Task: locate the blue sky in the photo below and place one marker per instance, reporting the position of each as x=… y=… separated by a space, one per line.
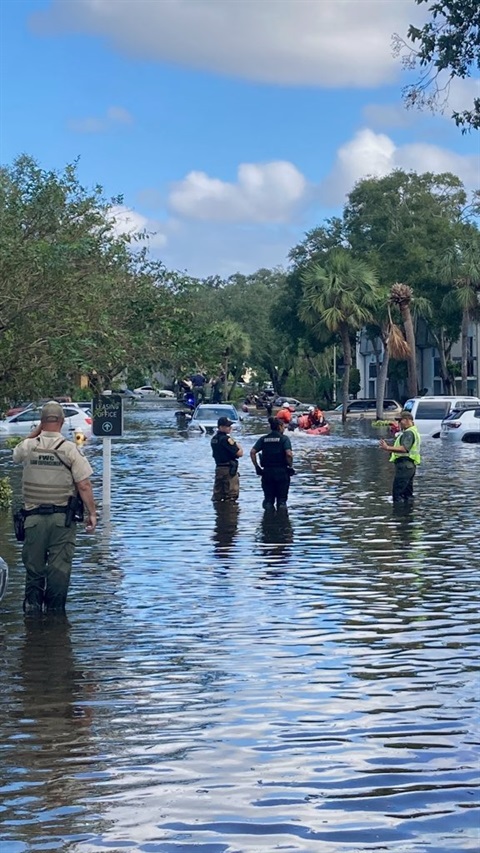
x=229 y=128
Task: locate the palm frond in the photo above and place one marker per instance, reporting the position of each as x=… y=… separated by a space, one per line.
x=397 y=345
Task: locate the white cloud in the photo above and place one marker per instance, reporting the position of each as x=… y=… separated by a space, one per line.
x=113 y=117
x=223 y=249
x=294 y=42
x=268 y=192
x=119 y=115
x=461 y=94
x=388 y=115
x=130 y=222
x=422 y=157
x=375 y=154
x=455 y=95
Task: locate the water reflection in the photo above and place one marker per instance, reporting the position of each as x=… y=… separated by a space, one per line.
x=50 y=726
x=226 y=526
x=276 y=529
x=249 y=681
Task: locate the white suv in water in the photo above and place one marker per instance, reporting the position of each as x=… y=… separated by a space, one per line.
x=462 y=425
x=429 y=412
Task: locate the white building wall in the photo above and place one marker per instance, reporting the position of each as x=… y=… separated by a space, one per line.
x=428 y=376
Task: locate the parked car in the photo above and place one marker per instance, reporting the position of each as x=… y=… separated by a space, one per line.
x=206 y=415
x=128 y=394
x=146 y=391
x=20 y=408
x=292 y=401
x=368 y=408
x=429 y=412
x=462 y=425
x=23 y=423
x=30 y=405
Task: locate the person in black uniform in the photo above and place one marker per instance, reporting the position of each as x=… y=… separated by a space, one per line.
x=276 y=469
x=198 y=386
x=226 y=452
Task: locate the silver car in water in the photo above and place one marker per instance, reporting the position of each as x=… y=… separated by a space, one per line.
x=206 y=415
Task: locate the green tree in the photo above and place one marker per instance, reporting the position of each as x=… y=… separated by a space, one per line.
x=74 y=297
x=250 y=301
x=446 y=46
x=401 y=224
x=340 y=296
x=232 y=345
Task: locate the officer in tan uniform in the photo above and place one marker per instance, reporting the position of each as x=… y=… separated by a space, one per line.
x=226 y=453
x=54 y=472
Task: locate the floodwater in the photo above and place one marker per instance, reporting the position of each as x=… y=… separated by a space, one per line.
x=233 y=683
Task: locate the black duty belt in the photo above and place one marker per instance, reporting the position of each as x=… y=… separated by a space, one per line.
x=44 y=509
x=223 y=464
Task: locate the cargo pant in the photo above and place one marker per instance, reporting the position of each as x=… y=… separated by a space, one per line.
x=225 y=487
x=47 y=555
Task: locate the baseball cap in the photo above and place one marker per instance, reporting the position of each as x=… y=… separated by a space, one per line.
x=285 y=405
x=224 y=422
x=404 y=414
x=52 y=411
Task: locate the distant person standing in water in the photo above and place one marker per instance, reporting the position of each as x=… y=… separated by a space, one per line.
x=275 y=452
x=226 y=453
x=198 y=380
x=55 y=473
x=405 y=455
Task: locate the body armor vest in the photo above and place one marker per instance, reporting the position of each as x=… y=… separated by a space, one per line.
x=46 y=479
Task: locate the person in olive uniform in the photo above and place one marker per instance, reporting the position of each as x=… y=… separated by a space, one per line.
x=226 y=452
x=276 y=468
x=405 y=455
x=54 y=471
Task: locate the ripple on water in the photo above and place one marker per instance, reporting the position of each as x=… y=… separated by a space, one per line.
x=233 y=682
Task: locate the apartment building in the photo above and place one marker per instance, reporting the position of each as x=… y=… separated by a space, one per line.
x=369 y=356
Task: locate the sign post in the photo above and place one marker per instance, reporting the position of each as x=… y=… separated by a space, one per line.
x=107 y=415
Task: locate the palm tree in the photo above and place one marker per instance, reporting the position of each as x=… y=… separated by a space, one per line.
x=394 y=346
x=401 y=295
x=339 y=295
x=460 y=267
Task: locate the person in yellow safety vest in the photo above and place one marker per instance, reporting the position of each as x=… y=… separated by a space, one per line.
x=405 y=454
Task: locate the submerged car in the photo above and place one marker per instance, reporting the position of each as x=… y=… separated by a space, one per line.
x=292 y=402
x=127 y=394
x=368 y=408
x=16 y=409
x=429 y=412
x=24 y=422
x=206 y=415
x=462 y=425
x=145 y=391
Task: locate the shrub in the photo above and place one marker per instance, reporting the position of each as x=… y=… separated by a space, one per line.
x=5 y=493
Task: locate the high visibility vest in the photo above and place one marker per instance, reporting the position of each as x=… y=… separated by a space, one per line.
x=414 y=452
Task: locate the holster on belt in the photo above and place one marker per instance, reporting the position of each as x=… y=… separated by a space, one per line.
x=75 y=510
x=19 y=524
x=233 y=467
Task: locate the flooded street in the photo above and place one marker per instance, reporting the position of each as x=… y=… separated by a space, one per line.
x=230 y=682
